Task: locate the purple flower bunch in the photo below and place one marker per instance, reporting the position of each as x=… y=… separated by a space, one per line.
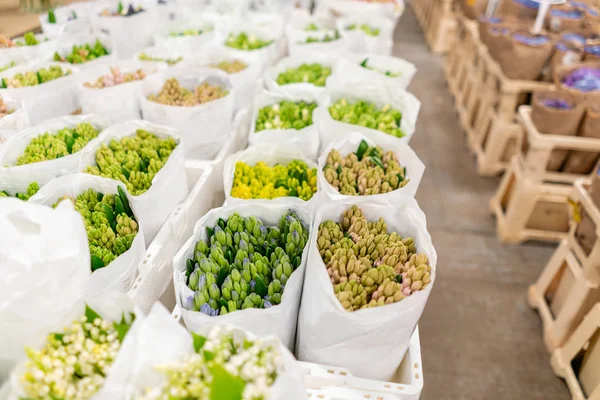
x=558 y=104
x=585 y=79
x=531 y=40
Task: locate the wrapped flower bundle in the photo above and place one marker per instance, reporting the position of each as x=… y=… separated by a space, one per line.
x=169 y=61
x=584 y=79
x=368 y=30
x=391 y=74
x=265 y=182
x=116 y=77
x=29 y=39
x=32 y=189
x=173 y=94
x=109 y=222
x=231 y=67
x=285 y=115
x=83 y=53
x=369 y=267
x=122 y=11
x=33 y=78
x=243 y=41
x=50 y=146
x=244 y=264
x=133 y=160
x=367 y=114
x=316 y=74
x=244 y=368
x=190 y=32
x=367 y=171
x=330 y=37
x=73 y=364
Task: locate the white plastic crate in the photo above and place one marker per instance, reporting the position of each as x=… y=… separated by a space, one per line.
x=333 y=383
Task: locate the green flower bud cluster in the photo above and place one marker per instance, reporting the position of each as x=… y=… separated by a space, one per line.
x=109 y=222
x=335 y=35
x=285 y=115
x=244 y=263
x=169 y=61
x=364 y=64
x=7 y=66
x=316 y=74
x=243 y=41
x=50 y=146
x=33 y=78
x=190 y=32
x=73 y=363
x=231 y=67
x=367 y=114
x=367 y=266
x=29 y=39
x=173 y=94
x=370 y=31
x=32 y=189
x=223 y=366
x=83 y=53
x=134 y=160
x=365 y=172
x=311 y=27
x=262 y=181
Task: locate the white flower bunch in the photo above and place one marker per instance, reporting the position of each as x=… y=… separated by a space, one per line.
x=73 y=364
x=245 y=367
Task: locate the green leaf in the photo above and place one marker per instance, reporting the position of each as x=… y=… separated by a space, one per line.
x=125 y=172
x=110 y=216
x=73 y=14
x=119 y=209
x=125 y=201
x=190 y=268
x=120 y=8
x=99 y=196
x=400 y=178
x=364 y=63
x=69 y=141
x=198 y=342
x=209 y=232
x=377 y=161
x=362 y=147
x=222 y=303
x=260 y=288
x=91 y=315
x=222 y=223
x=223 y=272
x=209 y=355
x=59 y=336
x=51 y=17
x=225 y=386
x=123 y=327
x=97 y=262
x=4 y=85
x=39 y=77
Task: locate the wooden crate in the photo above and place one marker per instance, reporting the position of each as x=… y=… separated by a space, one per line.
x=583 y=345
x=590 y=262
x=486 y=100
x=562 y=296
x=438 y=22
x=529 y=210
x=540 y=147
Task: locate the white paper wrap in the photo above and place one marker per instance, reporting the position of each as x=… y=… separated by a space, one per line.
x=195 y=43
x=45 y=267
x=117 y=103
x=205 y=127
x=391 y=10
x=65 y=24
x=296 y=42
x=246 y=82
x=64 y=46
x=162 y=340
x=349 y=68
x=294 y=89
x=271 y=154
x=328 y=334
x=280 y=320
x=380 y=44
x=230 y=6
x=41 y=51
x=375 y=92
x=169 y=186
x=11 y=60
x=13 y=123
x=130 y=34
x=118 y=276
x=44 y=171
x=48 y=100
x=306 y=139
x=406 y=157
x=111 y=307
x=265 y=55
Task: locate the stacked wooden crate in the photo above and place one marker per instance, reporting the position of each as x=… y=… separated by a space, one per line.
x=438 y=22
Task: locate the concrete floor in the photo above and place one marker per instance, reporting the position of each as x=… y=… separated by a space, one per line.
x=480 y=340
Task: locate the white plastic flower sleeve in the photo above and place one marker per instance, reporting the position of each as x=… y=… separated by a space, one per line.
x=376 y=65
x=14 y=122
